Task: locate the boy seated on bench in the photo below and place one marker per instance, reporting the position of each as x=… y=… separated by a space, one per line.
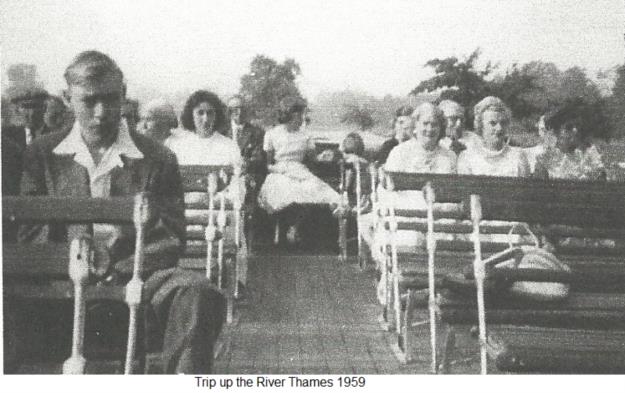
x=100 y=157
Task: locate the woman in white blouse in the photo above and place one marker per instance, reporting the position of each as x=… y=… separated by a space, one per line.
x=493 y=157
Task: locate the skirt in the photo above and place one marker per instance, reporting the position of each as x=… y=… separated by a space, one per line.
x=294 y=184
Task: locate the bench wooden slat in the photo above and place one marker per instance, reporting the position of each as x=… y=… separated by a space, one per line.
x=458 y=214
x=555 y=211
x=200 y=217
x=56 y=289
x=527 y=349
x=117 y=210
x=48 y=259
x=199 y=251
x=455 y=188
x=195 y=177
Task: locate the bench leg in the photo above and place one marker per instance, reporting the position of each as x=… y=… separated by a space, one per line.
x=406 y=329
x=276 y=232
x=449 y=344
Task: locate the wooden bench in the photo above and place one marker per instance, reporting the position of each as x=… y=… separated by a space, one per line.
x=214 y=229
x=58 y=271
x=594 y=313
x=411 y=277
x=587 y=206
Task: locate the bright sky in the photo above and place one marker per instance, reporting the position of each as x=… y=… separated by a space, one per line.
x=378 y=47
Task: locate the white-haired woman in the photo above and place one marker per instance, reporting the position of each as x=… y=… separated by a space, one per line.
x=420 y=154
x=493 y=157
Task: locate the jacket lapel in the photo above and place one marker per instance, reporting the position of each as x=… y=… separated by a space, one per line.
x=129 y=179
x=72 y=179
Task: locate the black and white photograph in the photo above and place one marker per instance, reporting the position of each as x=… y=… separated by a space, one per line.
x=313 y=194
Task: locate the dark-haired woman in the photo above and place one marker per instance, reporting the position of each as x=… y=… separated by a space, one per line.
x=288 y=148
x=571 y=157
x=203 y=117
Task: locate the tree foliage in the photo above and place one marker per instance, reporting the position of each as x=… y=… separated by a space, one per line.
x=361 y=116
x=616 y=104
x=530 y=90
x=266 y=84
x=460 y=81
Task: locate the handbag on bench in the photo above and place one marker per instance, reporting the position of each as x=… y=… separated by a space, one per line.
x=532 y=257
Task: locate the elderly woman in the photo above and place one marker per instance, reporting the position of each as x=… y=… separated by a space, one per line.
x=493 y=157
x=421 y=154
x=456 y=137
x=158 y=121
x=569 y=158
x=402 y=128
x=289 y=181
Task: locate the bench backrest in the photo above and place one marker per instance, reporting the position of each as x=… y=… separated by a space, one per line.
x=197 y=203
x=49 y=259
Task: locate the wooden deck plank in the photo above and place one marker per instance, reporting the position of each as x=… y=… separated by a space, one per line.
x=315 y=315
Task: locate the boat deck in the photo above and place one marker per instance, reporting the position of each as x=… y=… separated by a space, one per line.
x=311 y=314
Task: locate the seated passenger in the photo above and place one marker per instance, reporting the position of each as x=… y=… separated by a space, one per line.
x=353 y=149
x=570 y=159
x=57 y=116
x=456 y=137
x=289 y=180
x=402 y=131
x=421 y=154
x=249 y=138
x=493 y=157
x=546 y=141
x=158 y=121
x=101 y=158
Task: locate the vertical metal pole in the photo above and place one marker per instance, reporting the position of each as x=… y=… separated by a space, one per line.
x=479 y=273
x=134 y=287
x=79 y=254
x=210 y=234
x=428 y=192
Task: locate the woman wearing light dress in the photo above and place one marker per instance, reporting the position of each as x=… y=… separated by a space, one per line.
x=569 y=158
x=289 y=181
x=493 y=157
x=420 y=154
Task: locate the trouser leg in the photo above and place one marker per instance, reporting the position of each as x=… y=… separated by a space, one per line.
x=192 y=313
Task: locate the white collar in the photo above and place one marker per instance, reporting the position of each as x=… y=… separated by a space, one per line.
x=74 y=144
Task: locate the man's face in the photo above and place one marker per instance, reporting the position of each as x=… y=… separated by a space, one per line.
x=97 y=107
x=427 y=129
x=32 y=113
x=155 y=124
x=235 y=106
x=454 y=121
x=403 y=128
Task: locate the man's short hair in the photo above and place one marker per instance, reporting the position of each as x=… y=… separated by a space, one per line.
x=450 y=106
x=89 y=66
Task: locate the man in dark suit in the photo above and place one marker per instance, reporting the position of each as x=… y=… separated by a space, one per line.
x=100 y=157
x=30 y=103
x=250 y=140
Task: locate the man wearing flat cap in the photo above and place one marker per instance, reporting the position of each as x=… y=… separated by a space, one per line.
x=250 y=140
x=30 y=102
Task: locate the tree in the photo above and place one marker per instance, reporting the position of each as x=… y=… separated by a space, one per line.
x=266 y=84
x=362 y=116
x=460 y=80
x=616 y=104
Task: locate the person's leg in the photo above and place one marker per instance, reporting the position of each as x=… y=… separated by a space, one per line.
x=191 y=313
